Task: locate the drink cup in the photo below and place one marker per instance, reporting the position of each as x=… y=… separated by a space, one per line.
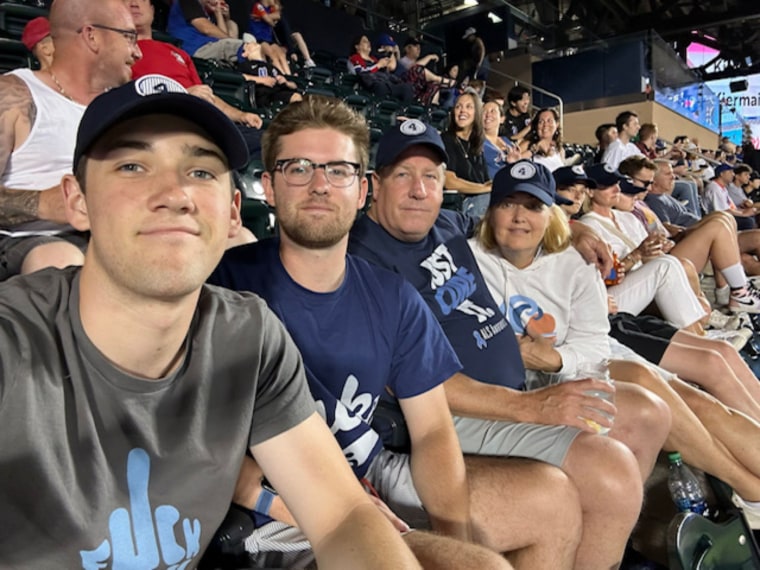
x=597 y=371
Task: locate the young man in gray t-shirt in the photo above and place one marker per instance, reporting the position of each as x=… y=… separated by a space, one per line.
x=130 y=392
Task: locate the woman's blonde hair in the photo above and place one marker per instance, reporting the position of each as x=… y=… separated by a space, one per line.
x=557 y=235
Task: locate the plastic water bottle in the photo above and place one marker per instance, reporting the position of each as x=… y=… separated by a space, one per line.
x=684 y=487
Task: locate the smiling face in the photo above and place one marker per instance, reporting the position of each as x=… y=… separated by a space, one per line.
x=546 y=125
x=408 y=194
x=117 y=52
x=464 y=111
x=159 y=204
x=519 y=223
x=492 y=118
x=523 y=104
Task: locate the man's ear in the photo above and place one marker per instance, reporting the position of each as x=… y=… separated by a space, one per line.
x=75 y=203
x=266 y=182
x=363 y=189
x=236 y=220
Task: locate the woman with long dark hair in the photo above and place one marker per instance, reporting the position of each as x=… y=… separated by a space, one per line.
x=466 y=170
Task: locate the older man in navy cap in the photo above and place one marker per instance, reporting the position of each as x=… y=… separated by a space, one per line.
x=128 y=405
x=407 y=232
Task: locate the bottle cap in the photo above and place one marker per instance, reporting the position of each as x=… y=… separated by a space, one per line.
x=673 y=457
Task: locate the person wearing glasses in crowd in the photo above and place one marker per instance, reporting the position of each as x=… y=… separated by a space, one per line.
x=96 y=45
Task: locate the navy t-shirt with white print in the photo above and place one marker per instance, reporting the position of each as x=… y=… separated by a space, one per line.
x=443 y=269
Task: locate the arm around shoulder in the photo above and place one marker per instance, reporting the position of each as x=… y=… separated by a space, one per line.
x=346 y=530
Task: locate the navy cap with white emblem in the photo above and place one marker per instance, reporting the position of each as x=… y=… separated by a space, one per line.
x=157 y=94
x=409 y=133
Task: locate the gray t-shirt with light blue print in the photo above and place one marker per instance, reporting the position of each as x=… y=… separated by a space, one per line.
x=101 y=469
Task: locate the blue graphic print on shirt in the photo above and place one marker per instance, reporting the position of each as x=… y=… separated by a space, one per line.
x=139 y=537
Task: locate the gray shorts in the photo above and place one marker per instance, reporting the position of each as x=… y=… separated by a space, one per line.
x=277 y=545
x=13 y=250
x=546 y=443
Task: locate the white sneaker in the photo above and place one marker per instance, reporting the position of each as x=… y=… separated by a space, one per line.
x=754 y=280
x=744 y=300
x=309 y=63
x=722 y=295
x=722 y=321
x=751 y=513
x=737 y=338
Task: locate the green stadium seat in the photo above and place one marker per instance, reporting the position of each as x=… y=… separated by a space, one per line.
x=14 y=55
x=697 y=543
x=13 y=18
x=258 y=217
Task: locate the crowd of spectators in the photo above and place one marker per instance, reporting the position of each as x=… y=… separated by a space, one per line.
x=470 y=324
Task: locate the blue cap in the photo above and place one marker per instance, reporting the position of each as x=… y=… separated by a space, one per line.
x=386 y=40
x=604 y=175
x=152 y=94
x=627 y=186
x=570 y=175
x=722 y=167
x=399 y=138
x=523 y=176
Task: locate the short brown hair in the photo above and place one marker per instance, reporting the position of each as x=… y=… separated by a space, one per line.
x=634 y=164
x=316 y=112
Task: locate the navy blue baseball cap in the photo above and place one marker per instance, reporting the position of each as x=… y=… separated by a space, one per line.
x=524 y=176
x=570 y=175
x=399 y=138
x=154 y=94
x=627 y=186
x=604 y=175
x=722 y=167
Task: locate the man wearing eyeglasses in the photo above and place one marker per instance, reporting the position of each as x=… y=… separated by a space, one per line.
x=361 y=331
x=96 y=45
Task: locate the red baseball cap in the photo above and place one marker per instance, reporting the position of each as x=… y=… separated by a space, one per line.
x=35 y=31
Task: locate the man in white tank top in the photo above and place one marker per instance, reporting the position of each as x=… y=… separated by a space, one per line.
x=96 y=45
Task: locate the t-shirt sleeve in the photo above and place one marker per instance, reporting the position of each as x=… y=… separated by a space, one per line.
x=283 y=399
x=423 y=356
x=191 y=9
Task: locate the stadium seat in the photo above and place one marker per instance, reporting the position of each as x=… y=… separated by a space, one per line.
x=696 y=543
x=360 y=103
x=258 y=217
x=13 y=55
x=439 y=118
x=383 y=113
x=13 y=18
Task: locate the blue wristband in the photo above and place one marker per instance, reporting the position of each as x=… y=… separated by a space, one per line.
x=264 y=502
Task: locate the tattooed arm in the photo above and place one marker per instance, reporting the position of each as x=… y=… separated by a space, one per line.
x=17 y=115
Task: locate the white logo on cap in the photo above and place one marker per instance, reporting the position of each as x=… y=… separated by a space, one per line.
x=154 y=84
x=412 y=127
x=578 y=169
x=608 y=168
x=523 y=170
